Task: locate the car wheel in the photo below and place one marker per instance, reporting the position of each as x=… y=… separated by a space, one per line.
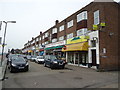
x=51 y=66
x=26 y=69
x=44 y=65
x=11 y=70
x=63 y=67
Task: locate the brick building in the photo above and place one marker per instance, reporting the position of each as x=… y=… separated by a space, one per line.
x=88 y=37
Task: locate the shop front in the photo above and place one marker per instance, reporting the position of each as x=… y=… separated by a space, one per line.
x=77 y=53
x=55 y=49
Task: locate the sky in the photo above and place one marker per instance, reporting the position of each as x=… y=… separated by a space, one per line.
x=33 y=16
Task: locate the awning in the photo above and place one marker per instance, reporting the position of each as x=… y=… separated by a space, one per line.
x=41 y=49
x=57 y=50
x=54 y=47
x=76 y=47
x=30 y=51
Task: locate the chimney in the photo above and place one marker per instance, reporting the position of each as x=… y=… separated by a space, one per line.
x=40 y=33
x=56 y=22
x=32 y=38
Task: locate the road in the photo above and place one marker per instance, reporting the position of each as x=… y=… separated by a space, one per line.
x=71 y=77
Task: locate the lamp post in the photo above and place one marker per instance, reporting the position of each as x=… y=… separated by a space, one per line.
x=3 y=45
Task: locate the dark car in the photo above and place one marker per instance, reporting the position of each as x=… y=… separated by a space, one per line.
x=18 y=63
x=52 y=62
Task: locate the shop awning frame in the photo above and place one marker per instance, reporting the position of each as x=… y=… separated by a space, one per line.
x=83 y=46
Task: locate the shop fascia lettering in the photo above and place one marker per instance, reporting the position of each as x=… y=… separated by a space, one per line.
x=55 y=44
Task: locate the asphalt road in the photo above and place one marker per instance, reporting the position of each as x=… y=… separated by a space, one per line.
x=71 y=77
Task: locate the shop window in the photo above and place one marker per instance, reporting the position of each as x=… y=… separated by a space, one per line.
x=71 y=57
x=83 y=59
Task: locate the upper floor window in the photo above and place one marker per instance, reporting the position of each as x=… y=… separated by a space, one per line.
x=70 y=24
x=82 y=16
x=54 y=40
x=96 y=17
x=61 y=28
x=37 y=39
x=43 y=37
x=81 y=32
x=70 y=36
x=46 y=42
x=54 y=30
x=40 y=38
x=46 y=34
x=61 y=38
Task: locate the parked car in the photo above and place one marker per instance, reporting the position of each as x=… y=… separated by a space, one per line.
x=33 y=58
x=10 y=58
x=18 y=63
x=40 y=59
x=52 y=62
x=28 y=57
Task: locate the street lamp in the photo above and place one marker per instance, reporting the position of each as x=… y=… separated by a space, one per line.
x=3 y=45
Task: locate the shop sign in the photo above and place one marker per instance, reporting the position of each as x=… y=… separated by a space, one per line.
x=77 y=39
x=56 y=44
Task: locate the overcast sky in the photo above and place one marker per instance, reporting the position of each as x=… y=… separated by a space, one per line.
x=33 y=16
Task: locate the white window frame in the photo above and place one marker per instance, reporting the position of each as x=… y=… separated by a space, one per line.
x=46 y=42
x=82 y=16
x=96 y=17
x=54 y=40
x=43 y=37
x=61 y=38
x=54 y=30
x=61 y=28
x=70 y=24
x=46 y=34
x=82 y=31
x=69 y=35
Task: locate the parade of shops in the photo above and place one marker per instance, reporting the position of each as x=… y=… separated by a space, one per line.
x=87 y=38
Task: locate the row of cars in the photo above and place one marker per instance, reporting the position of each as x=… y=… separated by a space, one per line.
x=17 y=62
x=49 y=61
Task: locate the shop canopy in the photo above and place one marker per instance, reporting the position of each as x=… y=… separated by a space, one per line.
x=30 y=51
x=54 y=47
x=76 y=47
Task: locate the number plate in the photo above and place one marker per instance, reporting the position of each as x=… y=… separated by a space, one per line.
x=21 y=67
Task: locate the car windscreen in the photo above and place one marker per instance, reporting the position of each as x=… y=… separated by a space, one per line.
x=41 y=57
x=19 y=59
x=52 y=57
x=33 y=56
x=13 y=55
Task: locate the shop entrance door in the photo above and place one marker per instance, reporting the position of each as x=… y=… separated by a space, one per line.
x=93 y=57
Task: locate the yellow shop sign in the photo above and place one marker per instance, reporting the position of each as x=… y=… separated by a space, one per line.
x=77 y=39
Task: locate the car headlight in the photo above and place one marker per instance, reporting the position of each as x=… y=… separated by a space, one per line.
x=13 y=64
x=26 y=63
x=54 y=61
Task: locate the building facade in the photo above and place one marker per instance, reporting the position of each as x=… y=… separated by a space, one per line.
x=88 y=38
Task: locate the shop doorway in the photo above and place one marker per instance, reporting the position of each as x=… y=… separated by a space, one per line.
x=93 y=57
